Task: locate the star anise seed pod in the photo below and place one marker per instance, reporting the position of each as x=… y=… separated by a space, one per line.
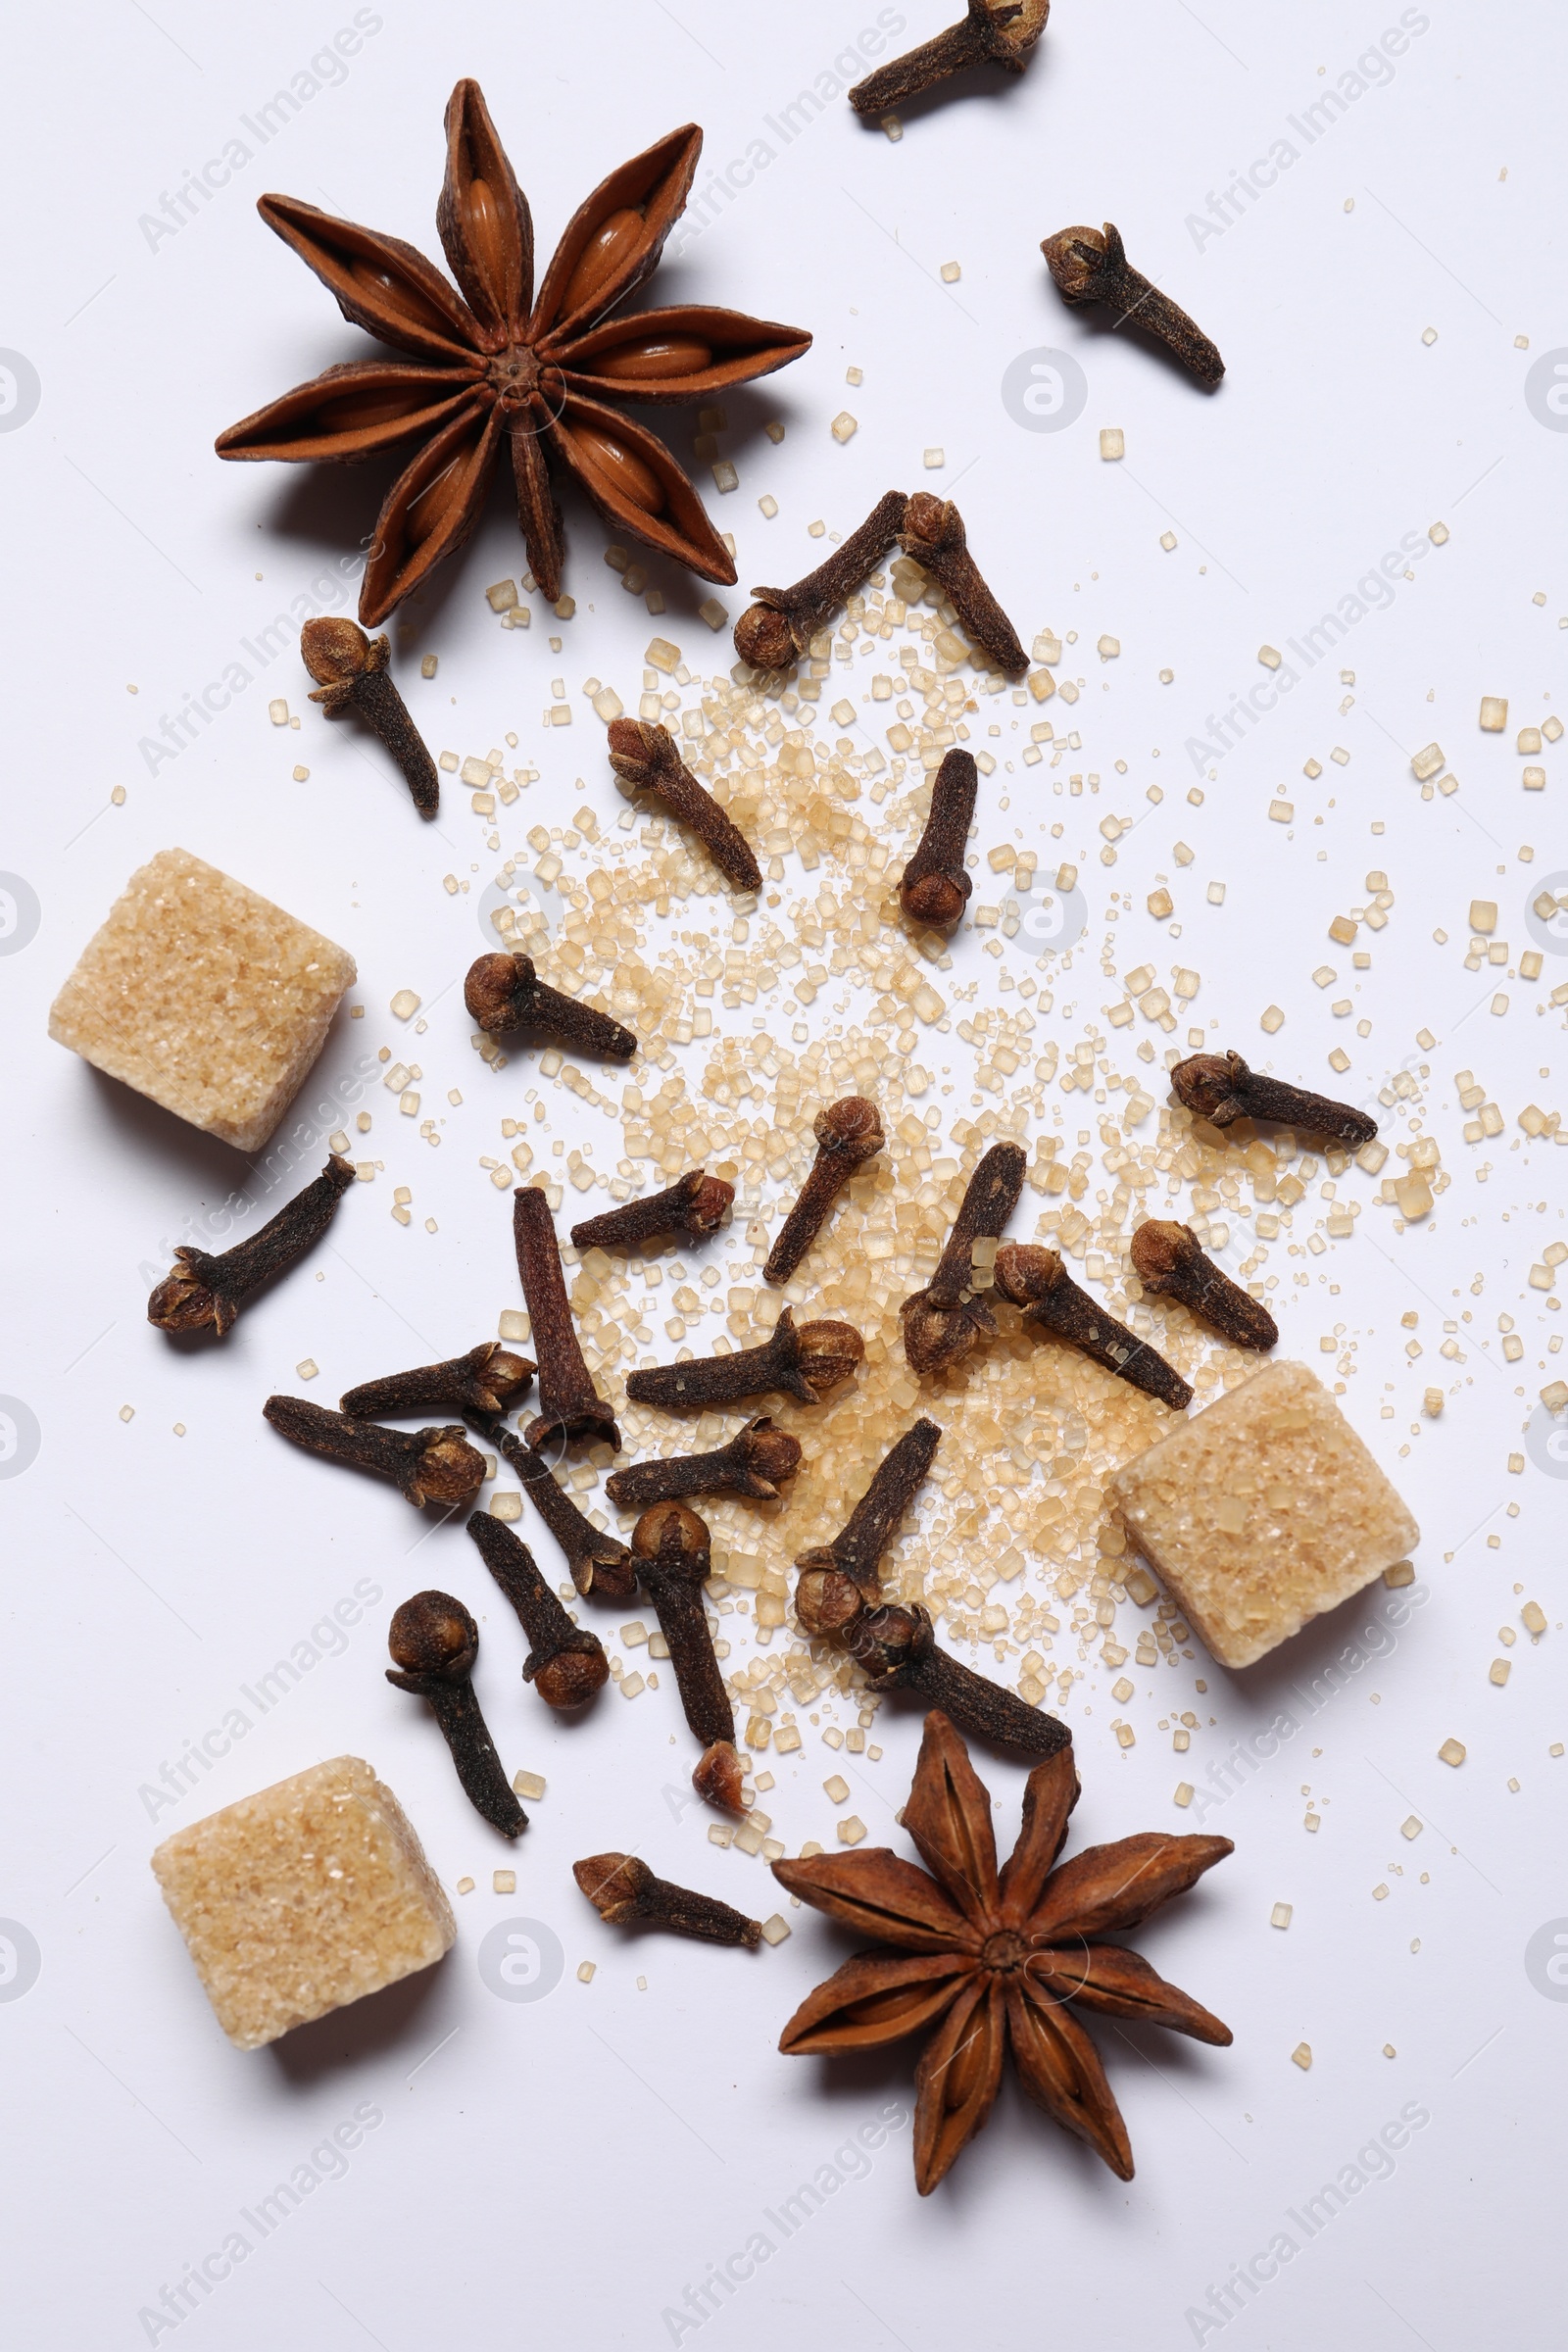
x=494 y=368
x=982 y=1960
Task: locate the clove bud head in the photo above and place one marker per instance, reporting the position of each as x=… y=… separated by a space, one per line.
x=670 y=1527
x=492 y=989
x=182 y=1302
x=1080 y=261
x=763 y=638
x=434 y=1635
x=772 y=1453
x=829 y=1352
x=1026 y=1273
x=826 y=1600
x=573 y=1676
x=335 y=652
x=449 y=1469
x=717 y=1776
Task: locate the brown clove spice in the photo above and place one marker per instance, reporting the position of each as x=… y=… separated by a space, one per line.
x=435 y=1642
x=993 y=32
x=646 y=756
x=504 y=992
x=755 y=1463
x=1170 y=1260
x=848 y=1134
x=1220 y=1088
x=896 y=1647
x=935 y=888
x=425 y=1465
x=206 y=1293
x=671 y=1546
x=626 y=1894
x=696 y=1205
x=570 y=1406
x=803 y=1363
x=838 y=1579
x=942 y=1322
x=1036 y=1280
x=934 y=537
x=350 y=670
x=1090 y=267
x=488 y=1379
x=566 y=1663
x=778 y=628
x=600 y=1563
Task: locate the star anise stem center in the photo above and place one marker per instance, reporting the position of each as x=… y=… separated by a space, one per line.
x=1005 y=1950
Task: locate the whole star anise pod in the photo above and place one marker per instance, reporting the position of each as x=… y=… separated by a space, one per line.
x=983 y=1961
x=493 y=367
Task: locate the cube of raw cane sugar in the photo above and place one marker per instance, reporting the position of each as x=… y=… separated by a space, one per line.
x=1261 y=1512
x=204 y=996
x=301 y=1898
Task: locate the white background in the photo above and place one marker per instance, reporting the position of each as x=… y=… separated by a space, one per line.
x=564 y=2170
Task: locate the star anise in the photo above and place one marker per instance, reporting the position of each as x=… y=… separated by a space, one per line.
x=492 y=367
x=989 y=1961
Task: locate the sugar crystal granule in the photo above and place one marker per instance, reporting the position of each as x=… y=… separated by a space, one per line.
x=203 y=996
x=304 y=1897
x=1262 y=1512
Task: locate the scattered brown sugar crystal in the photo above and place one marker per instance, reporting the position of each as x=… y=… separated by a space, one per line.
x=1262 y=1512
x=203 y=996
x=303 y=1898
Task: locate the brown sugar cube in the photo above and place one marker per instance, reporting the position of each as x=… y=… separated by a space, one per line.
x=1261 y=1512
x=301 y=1898
x=203 y=996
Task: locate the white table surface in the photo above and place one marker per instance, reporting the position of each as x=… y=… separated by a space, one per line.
x=566 y=2169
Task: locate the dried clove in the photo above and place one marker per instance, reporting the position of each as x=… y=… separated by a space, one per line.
x=1170 y=1261
x=570 y=1406
x=206 y=1293
x=935 y=888
x=1089 y=266
x=646 y=756
x=755 y=1463
x=435 y=1642
x=848 y=1134
x=1036 y=1280
x=351 y=668
x=838 y=1579
x=426 y=1466
x=942 y=1322
x=1220 y=1088
x=488 y=1379
x=566 y=1663
x=803 y=1363
x=696 y=1205
x=600 y=1563
x=779 y=627
x=992 y=34
x=896 y=1647
x=626 y=1894
x=671 y=1546
x=933 y=536
x=503 y=992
